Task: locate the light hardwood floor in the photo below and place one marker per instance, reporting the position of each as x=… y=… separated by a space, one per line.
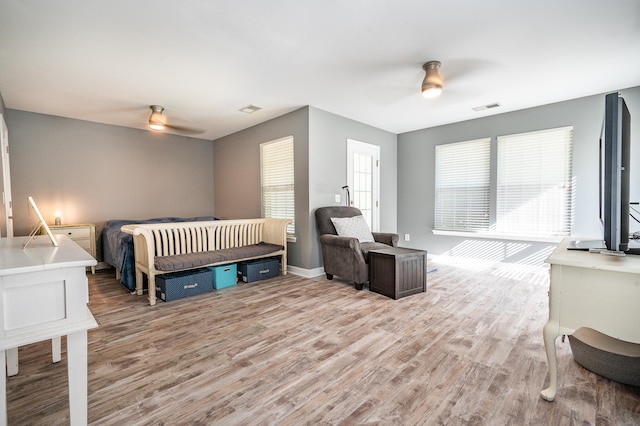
x=295 y=351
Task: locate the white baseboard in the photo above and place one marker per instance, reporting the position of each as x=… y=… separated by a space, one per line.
x=306 y=273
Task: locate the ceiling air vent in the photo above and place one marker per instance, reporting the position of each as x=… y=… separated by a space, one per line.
x=489 y=106
x=249 y=109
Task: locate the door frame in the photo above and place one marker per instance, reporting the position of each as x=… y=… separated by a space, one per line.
x=7 y=203
x=354 y=146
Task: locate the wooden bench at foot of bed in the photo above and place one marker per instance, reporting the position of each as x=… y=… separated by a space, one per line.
x=161 y=248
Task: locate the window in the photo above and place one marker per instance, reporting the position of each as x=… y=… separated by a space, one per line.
x=463 y=186
x=276 y=180
x=528 y=194
x=363 y=178
x=534 y=183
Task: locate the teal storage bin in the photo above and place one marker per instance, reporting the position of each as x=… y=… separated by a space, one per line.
x=224 y=275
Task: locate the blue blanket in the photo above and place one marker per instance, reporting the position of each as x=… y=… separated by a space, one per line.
x=117 y=246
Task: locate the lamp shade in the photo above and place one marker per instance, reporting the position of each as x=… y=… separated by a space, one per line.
x=432 y=83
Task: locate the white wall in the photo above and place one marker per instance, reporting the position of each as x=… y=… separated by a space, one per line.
x=3 y=212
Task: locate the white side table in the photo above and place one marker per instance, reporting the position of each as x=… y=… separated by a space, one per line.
x=44 y=292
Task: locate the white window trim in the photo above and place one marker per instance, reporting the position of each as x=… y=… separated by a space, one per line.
x=493 y=236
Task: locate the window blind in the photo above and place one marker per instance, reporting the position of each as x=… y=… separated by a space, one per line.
x=462 y=200
x=277 y=180
x=534 y=183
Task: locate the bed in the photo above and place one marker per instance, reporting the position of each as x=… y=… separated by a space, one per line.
x=117 y=246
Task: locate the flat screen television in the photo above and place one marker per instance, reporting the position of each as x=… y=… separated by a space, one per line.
x=615 y=154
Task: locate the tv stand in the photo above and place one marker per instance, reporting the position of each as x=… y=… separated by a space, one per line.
x=590 y=290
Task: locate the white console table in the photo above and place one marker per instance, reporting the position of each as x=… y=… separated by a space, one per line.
x=43 y=295
x=590 y=290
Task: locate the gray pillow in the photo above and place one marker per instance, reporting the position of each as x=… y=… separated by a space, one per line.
x=355 y=227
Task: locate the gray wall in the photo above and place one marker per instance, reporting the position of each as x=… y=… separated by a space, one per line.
x=320 y=171
x=328 y=134
x=236 y=166
x=416 y=174
x=95 y=172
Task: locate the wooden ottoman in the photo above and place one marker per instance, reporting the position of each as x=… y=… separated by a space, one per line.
x=397 y=272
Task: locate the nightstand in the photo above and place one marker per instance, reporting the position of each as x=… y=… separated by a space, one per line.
x=83 y=234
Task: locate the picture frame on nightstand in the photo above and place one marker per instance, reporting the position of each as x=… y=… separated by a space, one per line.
x=42 y=224
x=83 y=234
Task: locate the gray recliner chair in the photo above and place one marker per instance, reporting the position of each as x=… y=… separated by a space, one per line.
x=347 y=257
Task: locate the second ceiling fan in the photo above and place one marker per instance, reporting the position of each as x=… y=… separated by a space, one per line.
x=158 y=122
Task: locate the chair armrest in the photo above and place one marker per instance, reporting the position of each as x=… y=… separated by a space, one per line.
x=386 y=238
x=342 y=256
x=334 y=240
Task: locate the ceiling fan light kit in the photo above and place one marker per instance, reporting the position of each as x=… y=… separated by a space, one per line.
x=432 y=83
x=157 y=121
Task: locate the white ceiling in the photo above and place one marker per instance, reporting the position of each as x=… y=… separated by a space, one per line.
x=107 y=61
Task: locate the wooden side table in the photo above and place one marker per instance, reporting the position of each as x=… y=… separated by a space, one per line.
x=83 y=234
x=397 y=272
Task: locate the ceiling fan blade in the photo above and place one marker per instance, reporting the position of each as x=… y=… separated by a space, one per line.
x=184 y=129
x=158 y=122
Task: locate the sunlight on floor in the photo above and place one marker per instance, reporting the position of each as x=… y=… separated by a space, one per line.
x=500 y=258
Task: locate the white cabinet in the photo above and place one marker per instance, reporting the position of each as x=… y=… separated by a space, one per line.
x=82 y=234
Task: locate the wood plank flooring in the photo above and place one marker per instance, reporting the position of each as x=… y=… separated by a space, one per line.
x=296 y=351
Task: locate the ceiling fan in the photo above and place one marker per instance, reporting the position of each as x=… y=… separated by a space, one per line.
x=158 y=122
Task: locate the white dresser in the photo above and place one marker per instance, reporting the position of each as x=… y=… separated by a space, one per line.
x=43 y=295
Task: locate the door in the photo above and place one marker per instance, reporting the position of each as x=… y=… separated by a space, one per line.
x=363 y=178
x=6 y=212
